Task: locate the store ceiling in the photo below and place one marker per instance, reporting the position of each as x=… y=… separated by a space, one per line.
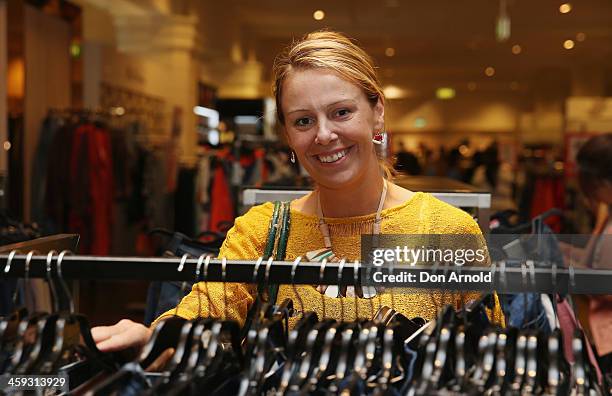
x=443 y=42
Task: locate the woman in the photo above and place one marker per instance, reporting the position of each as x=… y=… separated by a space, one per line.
x=331 y=108
x=595 y=179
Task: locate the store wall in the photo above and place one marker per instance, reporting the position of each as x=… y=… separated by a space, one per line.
x=3 y=97
x=47 y=80
x=471 y=113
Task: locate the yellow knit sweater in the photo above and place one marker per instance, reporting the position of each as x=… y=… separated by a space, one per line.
x=422 y=214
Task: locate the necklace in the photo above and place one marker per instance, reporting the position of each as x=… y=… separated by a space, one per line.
x=375 y=229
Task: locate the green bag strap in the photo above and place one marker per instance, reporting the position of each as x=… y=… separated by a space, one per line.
x=281 y=247
x=281 y=212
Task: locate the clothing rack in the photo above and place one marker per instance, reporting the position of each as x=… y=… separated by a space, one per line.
x=505 y=276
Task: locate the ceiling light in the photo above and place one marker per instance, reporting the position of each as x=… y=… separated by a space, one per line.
x=581 y=37
x=445 y=93
x=472 y=86
x=318 y=15
x=394 y=92
x=420 y=122
x=390 y=52
x=565 y=8
x=489 y=71
x=568 y=44
x=516 y=49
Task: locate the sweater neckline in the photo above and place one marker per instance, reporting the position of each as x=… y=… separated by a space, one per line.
x=356 y=219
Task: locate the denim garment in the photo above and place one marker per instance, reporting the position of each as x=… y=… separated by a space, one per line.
x=525 y=310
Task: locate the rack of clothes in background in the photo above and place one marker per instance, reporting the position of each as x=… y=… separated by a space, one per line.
x=460 y=352
x=98 y=173
x=540 y=184
x=216 y=183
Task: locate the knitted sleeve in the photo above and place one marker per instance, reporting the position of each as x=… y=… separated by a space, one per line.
x=245 y=241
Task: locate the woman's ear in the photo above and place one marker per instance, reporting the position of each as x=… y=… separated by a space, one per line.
x=379 y=115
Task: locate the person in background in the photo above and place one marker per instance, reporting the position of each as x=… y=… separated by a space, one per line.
x=406 y=162
x=595 y=178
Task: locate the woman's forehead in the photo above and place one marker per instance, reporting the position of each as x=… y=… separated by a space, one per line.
x=320 y=86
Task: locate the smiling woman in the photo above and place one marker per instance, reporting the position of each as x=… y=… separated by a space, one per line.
x=331 y=109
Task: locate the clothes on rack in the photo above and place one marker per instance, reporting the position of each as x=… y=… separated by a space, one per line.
x=247 y=238
x=97 y=176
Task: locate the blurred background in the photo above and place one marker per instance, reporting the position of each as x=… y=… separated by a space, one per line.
x=120 y=117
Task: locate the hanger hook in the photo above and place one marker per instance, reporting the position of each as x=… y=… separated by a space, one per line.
x=532 y=274
x=60 y=258
x=340 y=270
x=321 y=277
x=50 y=281
x=293 y=269
x=183 y=284
x=267 y=279
x=206 y=264
x=26 y=272
x=223 y=273
x=356 y=287
x=9 y=260
x=553 y=271
x=572 y=278
x=198 y=270
x=256 y=269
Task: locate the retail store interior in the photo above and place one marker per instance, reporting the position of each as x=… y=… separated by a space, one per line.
x=146 y=127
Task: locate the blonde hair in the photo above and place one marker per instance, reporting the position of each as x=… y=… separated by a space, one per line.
x=334 y=51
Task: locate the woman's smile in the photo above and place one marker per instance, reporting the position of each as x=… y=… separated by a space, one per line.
x=333 y=158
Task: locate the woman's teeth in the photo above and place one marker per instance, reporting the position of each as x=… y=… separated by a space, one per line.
x=332 y=158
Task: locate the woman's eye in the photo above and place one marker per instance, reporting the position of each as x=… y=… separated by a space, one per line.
x=343 y=112
x=303 y=121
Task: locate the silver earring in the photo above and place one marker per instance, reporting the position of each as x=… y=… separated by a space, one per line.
x=292 y=159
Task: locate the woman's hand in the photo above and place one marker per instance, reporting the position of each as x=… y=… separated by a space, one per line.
x=123 y=335
x=127 y=334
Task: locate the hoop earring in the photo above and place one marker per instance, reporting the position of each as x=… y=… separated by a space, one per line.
x=292 y=158
x=379 y=137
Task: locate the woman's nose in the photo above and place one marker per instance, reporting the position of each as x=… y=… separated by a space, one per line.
x=325 y=134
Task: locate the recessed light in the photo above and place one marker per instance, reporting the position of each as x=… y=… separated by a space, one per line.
x=445 y=93
x=489 y=71
x=565 y=8
x=471 y=86
x=6 y=145
x=516 y=49
x=390 y=51
x=581 y=36
x=514 y=86
x=568 y=44
x=318 y=15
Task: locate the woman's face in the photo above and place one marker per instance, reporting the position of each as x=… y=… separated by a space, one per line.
x=329 y=124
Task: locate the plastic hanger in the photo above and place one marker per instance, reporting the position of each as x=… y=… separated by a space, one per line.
x=45 y=330
x=520 y=363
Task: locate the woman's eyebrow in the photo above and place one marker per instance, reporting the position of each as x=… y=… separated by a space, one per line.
x=348 y=100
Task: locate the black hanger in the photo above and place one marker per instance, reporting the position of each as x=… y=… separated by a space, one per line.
x=520 y=363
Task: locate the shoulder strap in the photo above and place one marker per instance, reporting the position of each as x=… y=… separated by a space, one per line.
x=276 y=244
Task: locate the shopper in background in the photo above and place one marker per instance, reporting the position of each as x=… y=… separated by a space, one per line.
x=331 y=107
x=595 y=178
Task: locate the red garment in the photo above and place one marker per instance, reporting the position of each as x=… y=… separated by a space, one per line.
x=101 y=190
x=91 y=187
x=221 y=207
x=568 y=323
x=548 y=193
